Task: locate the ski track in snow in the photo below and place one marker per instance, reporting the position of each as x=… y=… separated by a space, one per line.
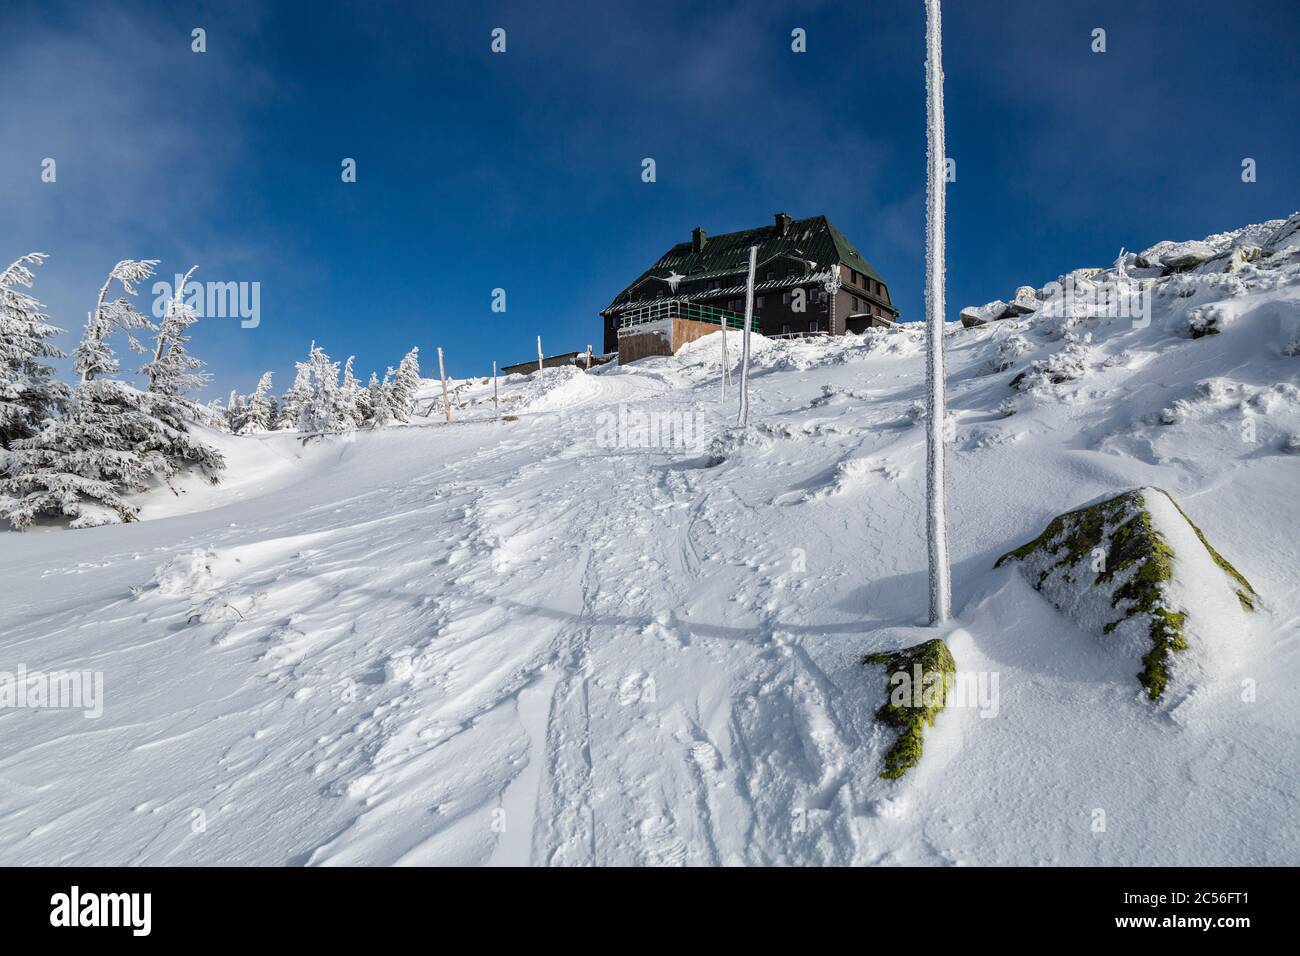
x=500 y=643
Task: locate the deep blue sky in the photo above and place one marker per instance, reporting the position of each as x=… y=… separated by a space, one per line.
x=522 y=170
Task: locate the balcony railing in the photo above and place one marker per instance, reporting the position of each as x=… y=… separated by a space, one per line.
x=660 y=309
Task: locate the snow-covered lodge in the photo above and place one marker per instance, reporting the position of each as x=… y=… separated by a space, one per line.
x=810 y=280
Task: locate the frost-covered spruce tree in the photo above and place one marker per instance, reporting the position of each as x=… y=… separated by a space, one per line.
x=29 y=393
x=93 y=356
x=297 y=394
x=381 y=411
x=364 y=411
x=174 y=371
x=215 y=412
x=257 y=412
x=349 y=396
x=324 y=410
x=233 y=411
x=401 y=393
x=112 y=438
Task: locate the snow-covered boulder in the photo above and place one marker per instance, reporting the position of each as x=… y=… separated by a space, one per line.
x=997 y=310
x=1285 y=240
x=1135 y=571
x=1059 y=368
x=1226 y=251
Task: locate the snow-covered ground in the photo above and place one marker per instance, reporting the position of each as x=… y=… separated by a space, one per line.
x=539 y=641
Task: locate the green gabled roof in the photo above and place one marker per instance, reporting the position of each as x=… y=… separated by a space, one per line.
x=814 y=239
x=849 y=254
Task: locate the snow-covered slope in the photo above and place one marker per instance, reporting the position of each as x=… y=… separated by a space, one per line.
x=612 y=629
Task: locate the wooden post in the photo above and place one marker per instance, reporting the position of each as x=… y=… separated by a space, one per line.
x=726 y=369
x=539 y=354
x=446 y=403
x=495 y=404
x=744 y=347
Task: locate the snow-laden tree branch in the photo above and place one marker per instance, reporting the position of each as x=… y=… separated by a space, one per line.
x=93 y=356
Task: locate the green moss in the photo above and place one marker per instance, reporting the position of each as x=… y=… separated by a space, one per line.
x=908 y=708
x=1166 y=638
x=1074 y=535
x=1135 y=552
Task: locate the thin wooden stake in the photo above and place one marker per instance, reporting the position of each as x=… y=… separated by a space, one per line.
x=726 y=369
x=495 y=404
x=744 y=346
x=446 y=403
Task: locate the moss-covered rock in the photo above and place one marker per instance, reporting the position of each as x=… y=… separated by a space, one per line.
x=1112 y=567
x=917 y=685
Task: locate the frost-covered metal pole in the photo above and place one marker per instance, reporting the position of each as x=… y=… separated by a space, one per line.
x=936 y=520
x=446 y=403
x=539 y=354
x=744 y=343
x=588 y=358
x=496 y=405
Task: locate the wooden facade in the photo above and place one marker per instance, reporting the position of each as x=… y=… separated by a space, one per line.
x=810 y=280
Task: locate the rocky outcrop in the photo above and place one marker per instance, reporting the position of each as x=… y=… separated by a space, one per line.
x=1135 y=571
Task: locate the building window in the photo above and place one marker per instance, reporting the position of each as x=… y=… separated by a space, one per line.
x=813 y=326
x=758 y=303
x=785 y=330
x=785 y=298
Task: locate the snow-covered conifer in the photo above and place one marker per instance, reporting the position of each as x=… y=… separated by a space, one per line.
x=401 y=394
x=257 y=412
x=173 y=370
x=381 y=411
x=350 y=392
x=324 y=410
x=215 y=412
x=94 y=356
x=29 y=393
x=297 y=394
x=112 y=439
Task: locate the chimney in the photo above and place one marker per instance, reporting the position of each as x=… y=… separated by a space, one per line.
x=782 y=224
x=698 y=238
